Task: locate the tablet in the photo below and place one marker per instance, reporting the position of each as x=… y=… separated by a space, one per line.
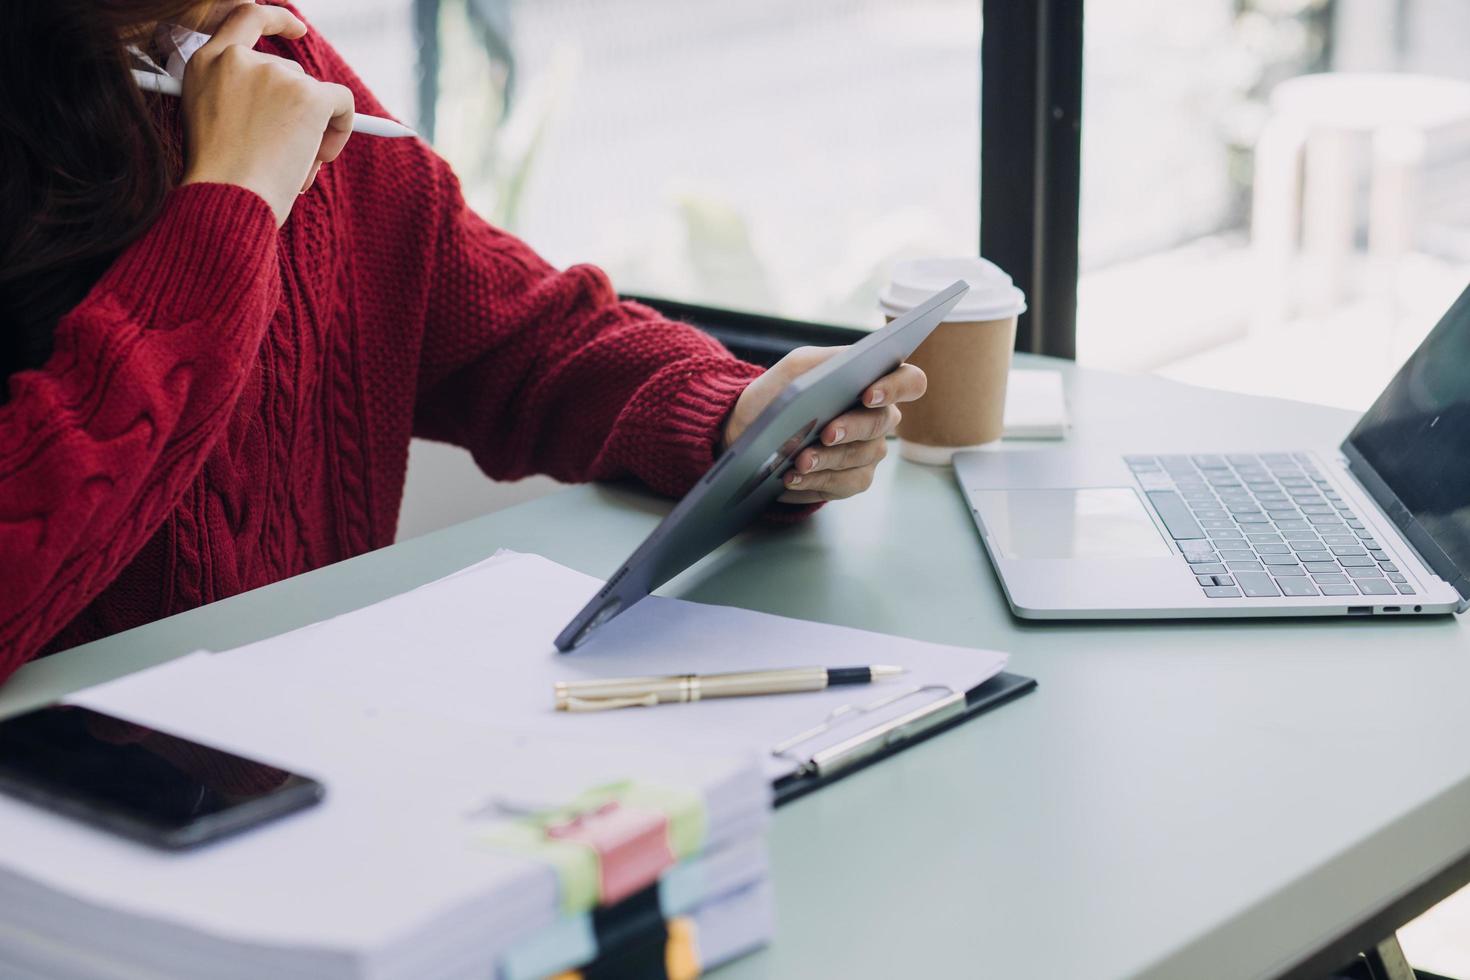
x=746 y=479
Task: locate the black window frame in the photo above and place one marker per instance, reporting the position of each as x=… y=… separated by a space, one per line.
x=1031 y=161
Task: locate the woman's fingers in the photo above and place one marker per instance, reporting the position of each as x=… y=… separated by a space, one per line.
x=802 y=497
x=339 y=130
x=831 y=484
x=906 y=384
x=316 y=168
x=337 y=99
x=257 y=120
x=843 y=463
x=861 y=425
x=845 y=457
x=250 y=22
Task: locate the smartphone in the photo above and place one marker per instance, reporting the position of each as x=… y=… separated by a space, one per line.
x=139 y=782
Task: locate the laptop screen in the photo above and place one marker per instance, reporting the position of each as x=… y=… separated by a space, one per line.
x=1416 y=441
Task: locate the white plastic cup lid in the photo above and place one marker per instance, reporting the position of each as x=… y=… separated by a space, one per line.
x=992 y=295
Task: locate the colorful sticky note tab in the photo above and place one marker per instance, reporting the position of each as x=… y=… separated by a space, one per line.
x=688 y=819
x=681 y=958
x=575 y=864
x=610 y=841
x=632 y=846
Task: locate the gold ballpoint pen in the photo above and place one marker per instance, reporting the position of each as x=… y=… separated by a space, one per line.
x=645 y=692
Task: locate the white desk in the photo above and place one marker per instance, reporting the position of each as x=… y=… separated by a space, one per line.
x=1176 y=800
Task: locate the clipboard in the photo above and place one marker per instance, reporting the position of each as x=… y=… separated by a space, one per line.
x=866 y=746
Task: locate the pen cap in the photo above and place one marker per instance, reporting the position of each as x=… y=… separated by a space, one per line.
x=632 y=689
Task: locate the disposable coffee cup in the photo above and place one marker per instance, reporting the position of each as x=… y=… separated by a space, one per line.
x=967 y=357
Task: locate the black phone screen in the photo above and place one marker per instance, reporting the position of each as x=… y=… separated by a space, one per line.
x=141 y=782
x=1416 y=439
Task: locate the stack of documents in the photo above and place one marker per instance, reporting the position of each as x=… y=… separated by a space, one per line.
x=431 y=855
x=468 y=829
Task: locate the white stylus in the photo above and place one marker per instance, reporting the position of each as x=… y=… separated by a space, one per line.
x=150 y=81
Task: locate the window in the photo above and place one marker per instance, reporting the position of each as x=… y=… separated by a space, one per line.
x=764 y=156
x=1279 y=202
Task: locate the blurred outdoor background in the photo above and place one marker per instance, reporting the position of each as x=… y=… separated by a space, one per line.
x=1237 y=224
x=1276 y=196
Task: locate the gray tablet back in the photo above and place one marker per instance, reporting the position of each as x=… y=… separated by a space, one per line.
x=746 y=480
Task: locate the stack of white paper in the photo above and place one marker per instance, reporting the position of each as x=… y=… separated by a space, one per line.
x=724 y=896
x=392 y=875
x=429 y=718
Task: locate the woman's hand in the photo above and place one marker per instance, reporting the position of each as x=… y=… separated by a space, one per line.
x=257 y=120
x=851 y=445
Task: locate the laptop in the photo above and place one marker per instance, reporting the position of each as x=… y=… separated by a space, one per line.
x=1381 y=526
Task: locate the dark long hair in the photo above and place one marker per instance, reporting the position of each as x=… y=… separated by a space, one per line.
x=84 y=166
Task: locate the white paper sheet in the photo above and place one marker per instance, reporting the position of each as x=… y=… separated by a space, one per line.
x=490 y=627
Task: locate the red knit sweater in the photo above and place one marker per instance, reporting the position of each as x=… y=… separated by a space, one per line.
x=232 y=405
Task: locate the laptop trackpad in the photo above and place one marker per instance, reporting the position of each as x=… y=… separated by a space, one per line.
x=1082 y=523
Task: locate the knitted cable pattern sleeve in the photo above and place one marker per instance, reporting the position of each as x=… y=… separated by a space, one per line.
x=536 y=370
x=98 y=444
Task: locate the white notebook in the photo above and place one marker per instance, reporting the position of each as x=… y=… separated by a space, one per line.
x=1036 y=406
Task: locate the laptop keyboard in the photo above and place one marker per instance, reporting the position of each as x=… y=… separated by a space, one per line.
x=1265 y=526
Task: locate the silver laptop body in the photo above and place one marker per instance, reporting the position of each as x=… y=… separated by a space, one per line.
x=1379 y=527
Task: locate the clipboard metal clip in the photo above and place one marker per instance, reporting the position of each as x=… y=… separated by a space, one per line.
x=869 y=742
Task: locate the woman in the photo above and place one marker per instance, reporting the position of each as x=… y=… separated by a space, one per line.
x=221 y=322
